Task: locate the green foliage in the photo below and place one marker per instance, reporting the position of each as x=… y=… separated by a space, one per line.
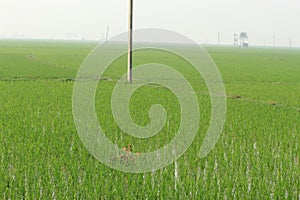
x=42 y=157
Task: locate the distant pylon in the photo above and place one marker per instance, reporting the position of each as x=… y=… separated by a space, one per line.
x=235 y=39
x=107 y=34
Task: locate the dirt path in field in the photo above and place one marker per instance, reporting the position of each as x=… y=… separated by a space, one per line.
x=270 y=102
x=43 y=61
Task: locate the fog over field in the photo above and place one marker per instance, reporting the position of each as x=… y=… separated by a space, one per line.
x=201 y=20
x=158 y=117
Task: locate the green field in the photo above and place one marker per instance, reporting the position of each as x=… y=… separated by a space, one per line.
x=42 y=157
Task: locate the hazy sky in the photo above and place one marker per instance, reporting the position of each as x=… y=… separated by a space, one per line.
x=198 y=19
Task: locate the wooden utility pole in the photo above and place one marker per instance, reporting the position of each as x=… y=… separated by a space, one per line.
x=130 y=22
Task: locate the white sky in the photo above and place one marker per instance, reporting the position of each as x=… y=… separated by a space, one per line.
x=198 y=19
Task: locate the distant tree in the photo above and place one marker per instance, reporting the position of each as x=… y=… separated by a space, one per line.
x=243 y=37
